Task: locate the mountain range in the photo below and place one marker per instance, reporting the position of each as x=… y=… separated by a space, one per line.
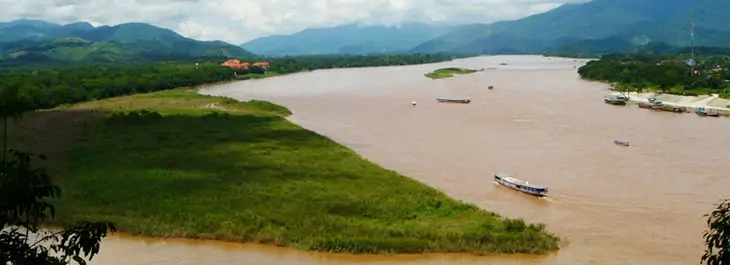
x=597 y=26
x=593 y=26
x=350 y=39
x=27 y=41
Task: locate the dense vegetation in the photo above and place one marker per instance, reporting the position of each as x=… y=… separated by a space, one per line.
x=26 y=191
x=663 y=72
x=717 y=236
x=449 y=72
x=301 y=63
x=52 y=86
x=180 y=164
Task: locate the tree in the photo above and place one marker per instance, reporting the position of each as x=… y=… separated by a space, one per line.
x=11 y=106
x=25 y=192
x=717 y=237
x=257 y=70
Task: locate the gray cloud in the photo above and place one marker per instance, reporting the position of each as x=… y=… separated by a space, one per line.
x=236 y=21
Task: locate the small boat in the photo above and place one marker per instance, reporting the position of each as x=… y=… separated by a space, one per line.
x=644 y=105
x=523 y=186
x=671 y=109
x=651 y=105
x=448 y=100
x=614 y=101
x=490 y=87
x=704 y=113
x=677 y=109
x=622 y=142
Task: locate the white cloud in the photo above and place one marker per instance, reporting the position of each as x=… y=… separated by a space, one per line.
x=236 y=21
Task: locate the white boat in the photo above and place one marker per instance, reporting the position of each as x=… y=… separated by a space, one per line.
x=449 y=100
x=622 y=142
x=520 y=185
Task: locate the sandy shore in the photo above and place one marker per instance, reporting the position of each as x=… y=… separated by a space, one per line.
x=709 y=102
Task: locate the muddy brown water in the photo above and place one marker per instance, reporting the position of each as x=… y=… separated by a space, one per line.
x=612 y=205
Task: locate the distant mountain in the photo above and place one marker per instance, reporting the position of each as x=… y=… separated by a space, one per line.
x=29 y=41
x=612 y=25
x=351 y=39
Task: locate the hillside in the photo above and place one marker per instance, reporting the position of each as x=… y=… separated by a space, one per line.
x=34 y=41
x=351 y=39
x=615 y=25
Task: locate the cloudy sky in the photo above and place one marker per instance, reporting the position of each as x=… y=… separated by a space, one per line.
x=237 y=21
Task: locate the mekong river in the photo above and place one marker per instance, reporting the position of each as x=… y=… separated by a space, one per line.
x=612 y=205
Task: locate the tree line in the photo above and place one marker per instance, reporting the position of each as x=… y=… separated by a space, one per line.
x=48 y=87
x=291 y=64
x=667 y=73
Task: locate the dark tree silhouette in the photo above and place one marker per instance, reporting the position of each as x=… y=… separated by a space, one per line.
x=25 y=192
x=717 y=237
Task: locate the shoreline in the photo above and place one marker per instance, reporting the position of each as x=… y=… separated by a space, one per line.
x=401 y=216
x=709 y=102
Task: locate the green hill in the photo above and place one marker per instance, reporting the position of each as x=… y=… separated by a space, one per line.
x=613 y=25
x=33 y=41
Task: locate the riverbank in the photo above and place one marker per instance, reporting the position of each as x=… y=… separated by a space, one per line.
x=709 y=102
x=449 y=72
x=178 y=164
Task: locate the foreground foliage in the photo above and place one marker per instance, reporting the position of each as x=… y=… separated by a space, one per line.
x=179 y=164
x=24 y=194
x=48 y=87
x=662 y=73
x=25 y=191
x=717 y=237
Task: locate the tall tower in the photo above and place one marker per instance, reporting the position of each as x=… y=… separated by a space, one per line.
x=692 y=45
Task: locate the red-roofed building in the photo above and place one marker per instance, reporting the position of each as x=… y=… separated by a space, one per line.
x=261 y=64
x=236 y=64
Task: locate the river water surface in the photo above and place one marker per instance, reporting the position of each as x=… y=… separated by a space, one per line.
x=642 y=204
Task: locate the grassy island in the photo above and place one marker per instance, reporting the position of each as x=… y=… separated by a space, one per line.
x=449 y=72
x=179 y=164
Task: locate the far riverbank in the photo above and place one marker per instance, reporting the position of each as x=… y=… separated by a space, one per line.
x=711 y=102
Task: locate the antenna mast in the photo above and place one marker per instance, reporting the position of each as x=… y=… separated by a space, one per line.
x=692 y=44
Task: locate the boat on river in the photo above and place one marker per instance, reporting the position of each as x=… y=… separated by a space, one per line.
x=520 y=185
x=490 y=87
x=674 y=109
x=650 y=105
x=704 y=113
x=622 y=142
x=615 y=101
x=450 y=100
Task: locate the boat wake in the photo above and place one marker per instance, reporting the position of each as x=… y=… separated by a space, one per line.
x=548 y=199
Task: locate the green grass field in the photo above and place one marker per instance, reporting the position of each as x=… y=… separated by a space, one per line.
x=180 y=164
x=449 y=72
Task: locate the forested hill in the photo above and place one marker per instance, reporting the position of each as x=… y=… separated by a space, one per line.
x=41 y=42
x=594 y=26
x=347 y=39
